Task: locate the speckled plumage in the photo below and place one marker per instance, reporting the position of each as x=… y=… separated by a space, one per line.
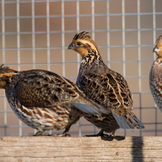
x=44 y=100
x=155 y=78
x=104 y=86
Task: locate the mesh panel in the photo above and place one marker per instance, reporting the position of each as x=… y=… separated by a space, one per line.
x=36 y=33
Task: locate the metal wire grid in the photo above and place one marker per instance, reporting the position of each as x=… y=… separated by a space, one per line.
x=63 y=47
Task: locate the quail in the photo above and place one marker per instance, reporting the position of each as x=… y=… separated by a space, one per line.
x=44 y=100
x=155 y=77
x=105 y=87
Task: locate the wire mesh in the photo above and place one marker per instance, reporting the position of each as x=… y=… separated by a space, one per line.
x=36 y=33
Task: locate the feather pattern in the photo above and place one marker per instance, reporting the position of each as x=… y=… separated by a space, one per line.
x=44 y=100
x=155 y=78
x=104 y=86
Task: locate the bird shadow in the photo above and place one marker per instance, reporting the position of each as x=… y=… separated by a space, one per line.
x=111 y=138
x=137 y=149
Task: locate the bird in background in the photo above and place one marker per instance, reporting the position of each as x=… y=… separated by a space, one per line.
x=155 y=78
x=105 y=87
x=44 y=100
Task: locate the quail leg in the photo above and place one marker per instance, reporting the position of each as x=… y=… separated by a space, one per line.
x=113 y=134
x=39 y=133
x=100 y=133
x=64 y=134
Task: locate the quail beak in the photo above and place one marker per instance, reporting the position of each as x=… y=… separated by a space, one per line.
x=70 y=46
x=156 y=49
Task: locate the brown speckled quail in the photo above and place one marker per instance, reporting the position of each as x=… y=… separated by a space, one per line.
x=155 y=78
x=104 y=86
x=44 y=100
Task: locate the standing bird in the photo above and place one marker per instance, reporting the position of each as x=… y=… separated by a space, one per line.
x=155 y=77
x=44 y=100
x=104 y=86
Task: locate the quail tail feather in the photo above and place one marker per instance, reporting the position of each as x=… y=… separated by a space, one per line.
x=129 y=121
x=89 y=110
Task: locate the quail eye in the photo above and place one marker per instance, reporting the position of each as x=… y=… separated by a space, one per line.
x=79 y=43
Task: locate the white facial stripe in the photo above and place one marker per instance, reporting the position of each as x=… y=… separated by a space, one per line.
x=157 y=49
x=88 y=42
